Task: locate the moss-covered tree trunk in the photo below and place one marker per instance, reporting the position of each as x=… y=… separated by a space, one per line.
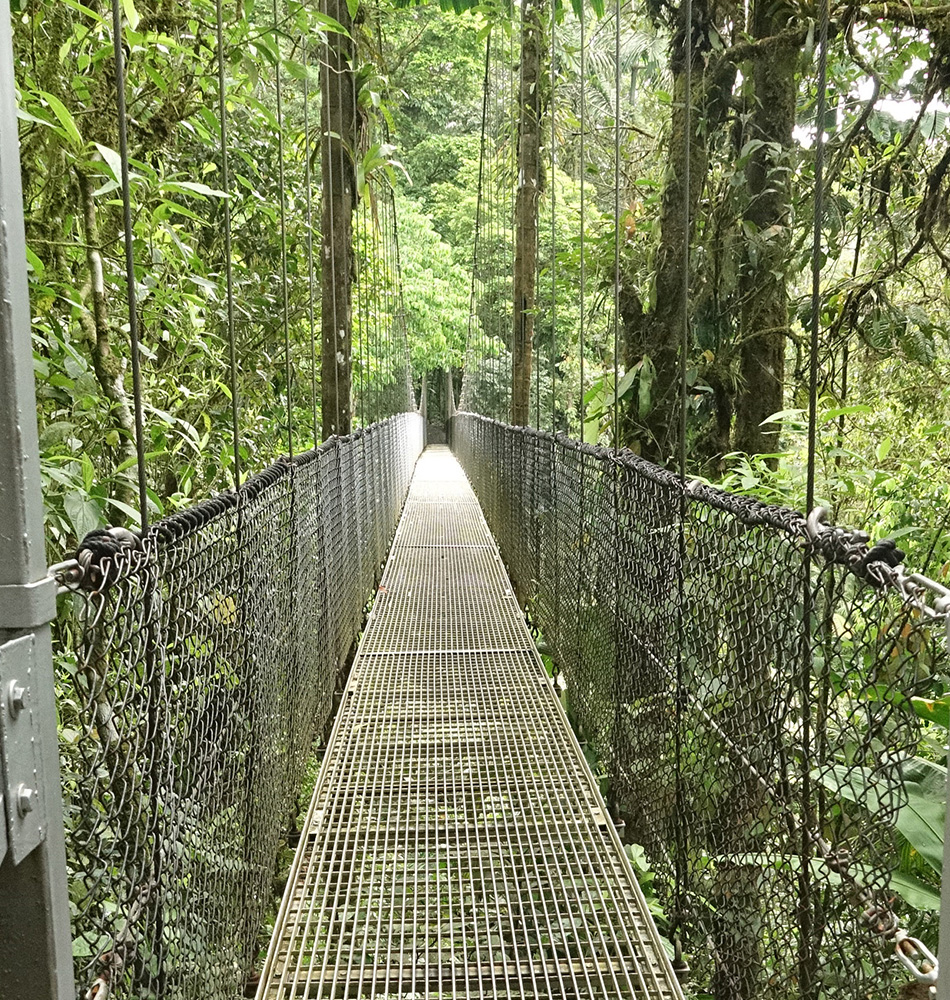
x=338 y=123
x=762 y=283
x=669 y=313
x=526 y=209
x=657 y=334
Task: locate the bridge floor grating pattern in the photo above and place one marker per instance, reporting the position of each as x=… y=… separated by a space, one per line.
x=456 y=844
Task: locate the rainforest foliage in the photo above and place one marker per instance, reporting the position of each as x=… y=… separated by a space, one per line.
x=530 y=240
x=418 y=94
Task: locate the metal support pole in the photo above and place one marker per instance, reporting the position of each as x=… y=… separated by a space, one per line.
x=35 y=943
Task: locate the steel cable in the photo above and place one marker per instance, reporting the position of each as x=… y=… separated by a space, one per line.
x=134 y=338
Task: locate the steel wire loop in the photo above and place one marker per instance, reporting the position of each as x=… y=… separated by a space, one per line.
x=206 y=661
x=784 y=844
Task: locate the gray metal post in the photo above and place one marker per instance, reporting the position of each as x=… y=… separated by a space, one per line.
x=35 y=943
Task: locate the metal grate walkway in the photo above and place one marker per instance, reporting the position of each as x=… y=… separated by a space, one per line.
x=456 y=844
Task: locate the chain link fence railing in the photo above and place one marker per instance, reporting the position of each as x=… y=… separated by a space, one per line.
x=751 y=681
x=199 y=665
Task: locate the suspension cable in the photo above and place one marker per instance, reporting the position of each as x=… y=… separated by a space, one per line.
x=470 y=336
x=285 y=304
x=615 y=434
x=679 y=832
x=390 y=250
x=386 y=280
x=808 y=597
x=121 y=114
x=509 y=178
x=404 y=332
x=382 y=361
x=583 y=176
x=228 y=266
x=816 y=258
x=308 y=183
x=328 y=236
x=382 y=290
x=363 y=330
x=551 y=186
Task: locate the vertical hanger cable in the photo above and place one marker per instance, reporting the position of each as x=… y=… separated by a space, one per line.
x=615 y=434
x=285 y=299
x=228 y=266
x=134 y=339
x=583 y=171
x=551 y=185
x=308 y=182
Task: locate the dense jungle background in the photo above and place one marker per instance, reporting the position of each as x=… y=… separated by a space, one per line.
x=884 y=404
x=438 y=270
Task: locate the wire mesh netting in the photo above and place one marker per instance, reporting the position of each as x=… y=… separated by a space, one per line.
x=746 y=678
x=456 y=845
x=207 y=654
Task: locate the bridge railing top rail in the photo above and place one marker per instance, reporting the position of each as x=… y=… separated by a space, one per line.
x=879 y=564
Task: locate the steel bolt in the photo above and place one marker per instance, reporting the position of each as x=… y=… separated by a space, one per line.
x=16 y=698
x=24 y=799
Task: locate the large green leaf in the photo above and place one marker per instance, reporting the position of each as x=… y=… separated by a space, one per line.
x=63 y=116
x=915 y=891
x=131 y=14
x=920 y=821
x=112 y=160
x=83 y=512
x=935 y=710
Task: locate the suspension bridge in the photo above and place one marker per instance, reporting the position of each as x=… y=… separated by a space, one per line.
x=576 y=725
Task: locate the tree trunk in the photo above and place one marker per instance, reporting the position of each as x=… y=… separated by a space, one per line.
x=658 y=334
x=526 y=209
x=96 y=329
x=338 y=122
x=669 y=315
x=762 y=283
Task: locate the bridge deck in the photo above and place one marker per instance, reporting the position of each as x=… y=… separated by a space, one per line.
x=456 y=844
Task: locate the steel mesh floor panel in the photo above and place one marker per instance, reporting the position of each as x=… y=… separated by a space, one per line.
x=416 y=620
x=457 y=524
x=456 y=844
